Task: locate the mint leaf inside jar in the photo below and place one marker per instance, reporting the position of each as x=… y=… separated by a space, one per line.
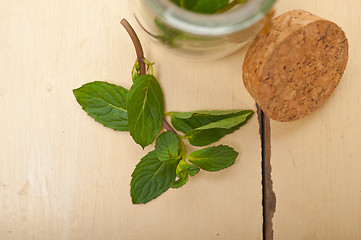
x=207 y=6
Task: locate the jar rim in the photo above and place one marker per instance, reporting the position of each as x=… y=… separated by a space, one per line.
x=210 y=24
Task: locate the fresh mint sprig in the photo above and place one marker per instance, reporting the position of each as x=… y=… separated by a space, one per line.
x=141 y=112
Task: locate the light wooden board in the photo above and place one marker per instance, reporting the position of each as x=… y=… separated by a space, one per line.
x=64 y=176
x=316 y=165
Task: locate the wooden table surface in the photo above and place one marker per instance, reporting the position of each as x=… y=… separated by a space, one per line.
x=64 y=176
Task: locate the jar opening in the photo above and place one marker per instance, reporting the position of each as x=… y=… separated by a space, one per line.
x=228 y=22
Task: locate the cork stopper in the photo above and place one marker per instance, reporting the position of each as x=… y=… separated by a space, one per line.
x=292 y=70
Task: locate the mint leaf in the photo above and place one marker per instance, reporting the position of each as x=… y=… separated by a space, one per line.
x=145 y=109
x=214 y=131
x=201 y=6
x=186 y=4
x=166 y=147
x=205 y=127
x=208 y=6
x=104 y=102
x=185 y=115
x=135 y=76
x=151 y=178
x=226 y=123
x=206 y=137
x=184 y=170
x=182 y=179
x=192 y=170
x=213 y=158
x=186 y=121
x=135 y=71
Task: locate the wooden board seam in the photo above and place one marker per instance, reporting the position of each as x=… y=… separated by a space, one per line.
x=268 y=195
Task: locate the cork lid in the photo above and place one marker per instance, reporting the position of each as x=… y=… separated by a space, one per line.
x=292 y=70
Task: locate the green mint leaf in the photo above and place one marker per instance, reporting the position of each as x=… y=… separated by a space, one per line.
x=151 y=178
x=135 y=71
x=186 y=121
x=177 y=2
x=182 y=179
x=214 y=131
x=186 y=4
x=192 y=170
x=205 y=127
x=208 y=6
x=201 y=6
x=145 y=109
x=184 y=170
x=166 y=147
x=104 y=102
x=185 y=115
x=213 y=158
x=227 y=122
x=206 y=137
x=135 y=76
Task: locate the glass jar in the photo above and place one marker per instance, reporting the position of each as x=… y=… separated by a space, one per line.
x=201 y=36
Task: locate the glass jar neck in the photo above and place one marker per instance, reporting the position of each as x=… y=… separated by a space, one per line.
x=231 y=21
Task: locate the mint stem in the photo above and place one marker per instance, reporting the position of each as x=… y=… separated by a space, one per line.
x=168 y=127
x=137 y=45
x=140 y=57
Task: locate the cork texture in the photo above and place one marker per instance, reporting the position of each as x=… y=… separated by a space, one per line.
x=292 y=70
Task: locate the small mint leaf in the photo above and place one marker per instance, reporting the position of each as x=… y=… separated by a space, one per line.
x=184 y=170
x=213 y=158
x=104 y=102
x=151 y=178
x=182 y=179
x=135 y=76
x=166 y=147
x=145 y=109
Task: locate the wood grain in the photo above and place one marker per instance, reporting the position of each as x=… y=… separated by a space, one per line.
x=316 y=160
x=64 y=176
